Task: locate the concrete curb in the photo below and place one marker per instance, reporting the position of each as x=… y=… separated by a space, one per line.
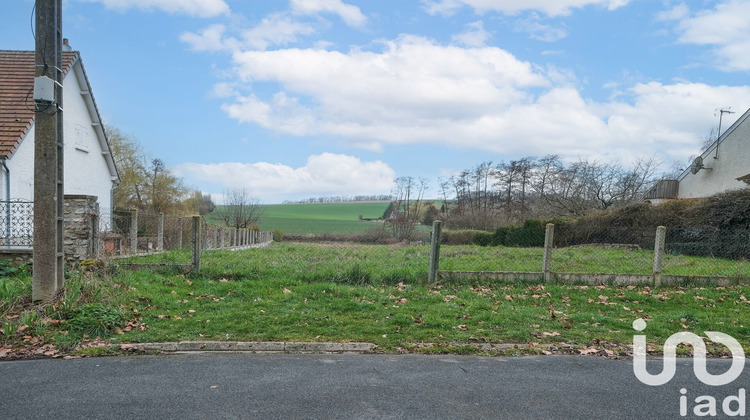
x=256 y=347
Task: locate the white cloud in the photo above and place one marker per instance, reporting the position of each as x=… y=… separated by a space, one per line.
x=473 y=36
x=726 y=28
x=276 y=29
x=537 y=30
x=416 y=91
x=441 y=7
x=324 y=174
x=199 y=8
x=405 y=94
x=510 y=7
x=209 y=39
x=351 y=15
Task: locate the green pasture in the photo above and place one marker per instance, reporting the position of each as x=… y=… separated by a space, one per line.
x=303 y=219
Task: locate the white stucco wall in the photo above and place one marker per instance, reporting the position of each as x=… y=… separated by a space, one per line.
x=86 y=170
x=733 y=162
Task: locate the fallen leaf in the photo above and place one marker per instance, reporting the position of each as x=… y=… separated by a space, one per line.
x=224 y=281
x=462 y=327
x=588 y=350
x=287 y=291
x=214 y=386
x=551 y=334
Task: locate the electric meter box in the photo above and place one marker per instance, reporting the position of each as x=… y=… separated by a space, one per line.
x=44 y=89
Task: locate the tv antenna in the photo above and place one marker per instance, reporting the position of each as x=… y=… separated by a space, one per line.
x=722 y=111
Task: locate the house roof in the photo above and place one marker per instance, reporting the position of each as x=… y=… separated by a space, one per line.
x=17 y=69
x=17 y=72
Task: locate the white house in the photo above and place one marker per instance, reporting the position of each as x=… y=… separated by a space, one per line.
x=724 y=166
x=89 y=166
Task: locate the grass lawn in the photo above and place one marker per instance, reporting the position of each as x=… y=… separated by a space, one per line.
x=378 y=294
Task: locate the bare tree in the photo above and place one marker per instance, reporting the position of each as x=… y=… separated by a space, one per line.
x=408 y=196
x=240 y=210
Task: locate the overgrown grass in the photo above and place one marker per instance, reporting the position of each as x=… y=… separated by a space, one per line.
x=379 y=294
x=89 y=307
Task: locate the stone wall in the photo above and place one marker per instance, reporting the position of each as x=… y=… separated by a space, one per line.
x=81 y=227
x=17 y=257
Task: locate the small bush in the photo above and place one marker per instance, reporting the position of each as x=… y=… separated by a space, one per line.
x=375 y=235
x=278 y=235
x=459 y=237
x=483 y=239
x=96 y=320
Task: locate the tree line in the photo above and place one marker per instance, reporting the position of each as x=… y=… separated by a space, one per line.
x=508 y=193
x=491 y=195
x=341 y=199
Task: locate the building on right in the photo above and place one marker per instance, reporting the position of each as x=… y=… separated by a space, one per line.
x=723 y=166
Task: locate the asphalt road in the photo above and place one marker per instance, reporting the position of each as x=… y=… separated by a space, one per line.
x=348 y=386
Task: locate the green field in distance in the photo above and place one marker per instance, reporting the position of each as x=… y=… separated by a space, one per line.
x=303 y=219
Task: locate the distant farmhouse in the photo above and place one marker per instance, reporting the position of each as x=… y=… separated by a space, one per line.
x=724 y=166
x=89 y=166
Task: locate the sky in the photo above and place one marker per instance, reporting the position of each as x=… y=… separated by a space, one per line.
x=290 y=99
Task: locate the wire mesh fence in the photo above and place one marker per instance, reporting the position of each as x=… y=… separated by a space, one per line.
x=128 y=233
x=558 y=251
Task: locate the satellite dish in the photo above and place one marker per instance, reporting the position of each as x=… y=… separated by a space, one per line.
x=697 y=165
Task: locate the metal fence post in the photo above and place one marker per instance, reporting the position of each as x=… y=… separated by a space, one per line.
x=196 y=242
x=160 y=233
x=661 y=234
x=179 y=233
x=435 y=251
x=133 y=231
x=549 y=235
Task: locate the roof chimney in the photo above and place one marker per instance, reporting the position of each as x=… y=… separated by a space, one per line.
x=66 y=45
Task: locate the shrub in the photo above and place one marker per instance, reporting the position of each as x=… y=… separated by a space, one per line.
x=96 y=320
x=278 y=235
x=483 y=239
x=376 y=235
x=459 y=237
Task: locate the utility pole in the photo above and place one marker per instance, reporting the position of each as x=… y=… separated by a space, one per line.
x=48 y=271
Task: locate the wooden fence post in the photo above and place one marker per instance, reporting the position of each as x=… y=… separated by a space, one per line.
x=435 y=251
x=160 y=234
x=549 y=236
x=133 y=231
x=661 y=234
x=197 y=248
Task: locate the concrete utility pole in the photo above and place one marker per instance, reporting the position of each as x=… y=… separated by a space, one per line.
x=48 y=272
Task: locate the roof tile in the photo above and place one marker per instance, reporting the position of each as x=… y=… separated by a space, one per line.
x=17 y=71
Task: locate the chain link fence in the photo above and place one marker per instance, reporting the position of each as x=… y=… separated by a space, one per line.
x=603 y=253
x=130 y=233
